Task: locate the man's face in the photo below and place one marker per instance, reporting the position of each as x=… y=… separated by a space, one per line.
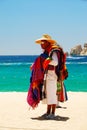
x=44 y=44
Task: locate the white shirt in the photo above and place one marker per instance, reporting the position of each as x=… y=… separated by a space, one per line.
x=54 y=59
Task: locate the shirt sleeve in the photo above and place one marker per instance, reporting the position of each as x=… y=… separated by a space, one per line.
x=54 y=59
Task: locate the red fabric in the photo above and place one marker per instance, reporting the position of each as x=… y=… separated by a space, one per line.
x=38 y=74
x=46 y=63
x=33 y=97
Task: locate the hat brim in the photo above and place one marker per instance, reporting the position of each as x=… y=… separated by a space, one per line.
x=38 y=41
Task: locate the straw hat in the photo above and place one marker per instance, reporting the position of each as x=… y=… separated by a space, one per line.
x=47 y=38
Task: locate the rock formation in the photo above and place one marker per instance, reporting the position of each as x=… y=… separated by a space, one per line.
x=84 y=50
x=78 y=50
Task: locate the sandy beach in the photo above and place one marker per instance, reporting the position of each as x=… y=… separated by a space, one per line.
x=15 y=113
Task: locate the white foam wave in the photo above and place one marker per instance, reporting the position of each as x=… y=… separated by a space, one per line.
x=30 y=63
x=73 y=58
x=19 y=63
x=76 y=62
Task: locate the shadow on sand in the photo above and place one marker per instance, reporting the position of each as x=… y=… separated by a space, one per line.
x=61 y=107
x=56 y=118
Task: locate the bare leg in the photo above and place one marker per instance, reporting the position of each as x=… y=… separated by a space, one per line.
x=48 y=109
x=53 y=109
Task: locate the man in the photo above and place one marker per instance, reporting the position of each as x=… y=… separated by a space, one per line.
x=45 y=67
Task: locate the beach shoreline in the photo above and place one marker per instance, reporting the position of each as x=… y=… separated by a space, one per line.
x=15 y=113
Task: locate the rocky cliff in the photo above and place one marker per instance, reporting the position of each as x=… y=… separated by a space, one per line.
x=84 y=50
x=78 y=50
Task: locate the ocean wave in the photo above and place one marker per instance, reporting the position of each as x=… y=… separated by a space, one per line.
x=76 y=63
x=15 y=63
x=76 y=57
x=30 y=63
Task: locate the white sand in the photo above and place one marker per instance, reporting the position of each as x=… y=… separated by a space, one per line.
x=15 y=113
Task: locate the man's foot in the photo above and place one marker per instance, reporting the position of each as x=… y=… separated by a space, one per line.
x=50 y=116
x=47 y=116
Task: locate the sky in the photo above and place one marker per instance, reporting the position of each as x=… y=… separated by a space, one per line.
x=24 y=21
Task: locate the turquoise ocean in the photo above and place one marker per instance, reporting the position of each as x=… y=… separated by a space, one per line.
x=15 y=73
